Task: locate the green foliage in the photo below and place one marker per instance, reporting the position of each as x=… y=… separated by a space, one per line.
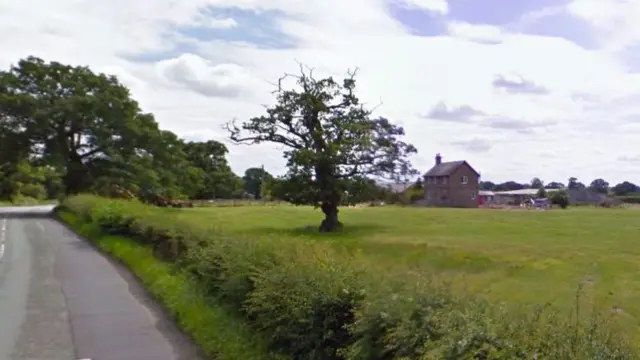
x=23 y=179
x=311 y=301
x=542 y=193
x=255 y=180
x=536 y=183
x=560 y=198
x=83 y=132
x=600 y=186
x=330 y=139
x=625 y=188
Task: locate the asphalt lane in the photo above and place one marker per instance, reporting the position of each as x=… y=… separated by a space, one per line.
x=61 y=299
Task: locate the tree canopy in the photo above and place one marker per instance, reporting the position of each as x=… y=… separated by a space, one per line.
x=85 y=132
x=330 y=139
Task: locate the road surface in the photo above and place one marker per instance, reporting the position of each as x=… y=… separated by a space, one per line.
x=62 y=300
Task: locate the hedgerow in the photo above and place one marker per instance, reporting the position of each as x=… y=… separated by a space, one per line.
x=313 y=301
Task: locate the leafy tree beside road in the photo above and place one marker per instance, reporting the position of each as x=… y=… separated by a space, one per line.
x=87 y=134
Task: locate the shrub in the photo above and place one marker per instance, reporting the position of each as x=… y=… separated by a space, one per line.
x=315 y=302
x=560 y=198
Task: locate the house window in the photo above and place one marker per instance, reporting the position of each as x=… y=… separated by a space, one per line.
x=444 y=180
x=473 y=196
x=464 y=180
x=429 y=180
x=428 y=195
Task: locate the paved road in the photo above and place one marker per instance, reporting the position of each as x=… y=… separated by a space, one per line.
x=62 y=300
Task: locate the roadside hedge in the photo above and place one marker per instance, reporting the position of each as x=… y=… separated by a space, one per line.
x=313 y=301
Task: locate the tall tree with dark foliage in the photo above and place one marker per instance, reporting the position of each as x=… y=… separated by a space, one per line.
x=330 y=139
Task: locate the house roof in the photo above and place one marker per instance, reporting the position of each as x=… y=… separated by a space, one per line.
x=447 y=168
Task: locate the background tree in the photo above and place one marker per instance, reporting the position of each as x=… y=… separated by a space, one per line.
x=254 y=181
x=560 y=198
x=542 y=193
x=219 y=180
x=599 y=186
x=330 y=138
x=536 y=183
x=625 y=188
x=418 y=184
x=554 y=185
x=575 y=184
x=509 y=186
x=487 y=185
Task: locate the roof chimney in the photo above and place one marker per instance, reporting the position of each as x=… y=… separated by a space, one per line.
x=438 y=159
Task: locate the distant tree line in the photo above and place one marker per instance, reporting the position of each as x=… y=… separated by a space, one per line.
x=599 y=185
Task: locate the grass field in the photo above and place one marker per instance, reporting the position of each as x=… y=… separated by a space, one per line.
x=519 y=257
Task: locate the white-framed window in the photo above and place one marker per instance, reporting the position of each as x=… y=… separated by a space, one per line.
x=473 y=196
x=464 y=180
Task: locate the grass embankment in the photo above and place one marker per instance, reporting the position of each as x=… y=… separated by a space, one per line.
x=322 y=300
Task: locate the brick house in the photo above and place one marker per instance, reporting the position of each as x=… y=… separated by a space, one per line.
x=453 y=184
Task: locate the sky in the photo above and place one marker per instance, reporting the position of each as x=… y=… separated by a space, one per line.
x=519 y=89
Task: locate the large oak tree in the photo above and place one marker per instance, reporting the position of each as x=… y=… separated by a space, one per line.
x=72 y=117
x=330 y=140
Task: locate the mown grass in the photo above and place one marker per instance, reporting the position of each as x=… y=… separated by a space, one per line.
x=212 y=326
x=519 y=257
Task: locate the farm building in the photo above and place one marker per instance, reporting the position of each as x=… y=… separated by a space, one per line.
x=453 y=183
x=516 y=197
x=486 y=197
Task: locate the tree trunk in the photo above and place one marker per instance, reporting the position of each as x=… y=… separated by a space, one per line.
x=330 y=222
x=75 y=176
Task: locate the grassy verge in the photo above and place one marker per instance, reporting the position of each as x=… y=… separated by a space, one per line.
x=213 y=327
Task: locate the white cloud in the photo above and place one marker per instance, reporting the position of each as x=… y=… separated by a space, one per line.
x=439 y=6
x=191 y=72
x=223 y=23
x=615 y=20
x=474 y=32
x=409 y=73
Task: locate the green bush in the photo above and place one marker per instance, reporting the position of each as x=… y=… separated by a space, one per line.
x=312 y=301
x=560 y=198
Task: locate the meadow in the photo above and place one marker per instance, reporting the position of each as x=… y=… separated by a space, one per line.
x=520 y=257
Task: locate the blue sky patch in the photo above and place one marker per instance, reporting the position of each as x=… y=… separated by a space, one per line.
x=630 y=58
x=253 y=27
x=418 y=22
x=563 y=25
x=496 y=12
x=535 y=17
